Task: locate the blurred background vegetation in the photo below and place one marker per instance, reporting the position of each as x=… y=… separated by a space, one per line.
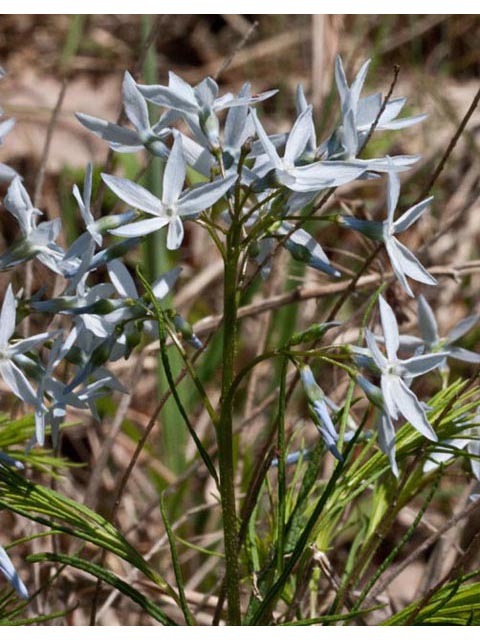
x=439 y=70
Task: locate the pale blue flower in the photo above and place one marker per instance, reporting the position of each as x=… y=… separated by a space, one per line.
x=469 y=440
x=318 y=410
x=403 y=261
x=77 y=266
x=105 y=324
x=358 y=114
x=398 y=399
x=238 y=128
x=175 y=206
x=384 y=424
x=134 y=304
x=95 y=228
x=304 y=248
x=12 y=375
x=59 y=396
x=346 y=141
x=431 y=342
x=302 y=178
x=8 y=570
x=123 y=139
x=38 y=241
x=198 y=105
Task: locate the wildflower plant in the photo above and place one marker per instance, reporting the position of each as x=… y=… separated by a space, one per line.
x=251 y=193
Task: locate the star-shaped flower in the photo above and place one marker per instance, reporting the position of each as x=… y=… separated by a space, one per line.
x=37 y=240
x=12 y=375
x=76 y=253
x=175 y=206
x=358 y=114
x=431 y=342
x=198 y=105
x=398 y=399
x=403 y=261
x=302 y=177
x=123 y=139
x=467 y=437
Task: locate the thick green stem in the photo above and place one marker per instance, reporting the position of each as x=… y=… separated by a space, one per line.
x=225 y=427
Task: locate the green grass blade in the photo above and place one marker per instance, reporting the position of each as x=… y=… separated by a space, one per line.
x=189 y=619
x=110 y=578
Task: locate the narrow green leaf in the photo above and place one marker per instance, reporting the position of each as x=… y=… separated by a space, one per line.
x=110 y=578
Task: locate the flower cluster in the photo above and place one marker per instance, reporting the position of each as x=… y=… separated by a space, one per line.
x=227 y=172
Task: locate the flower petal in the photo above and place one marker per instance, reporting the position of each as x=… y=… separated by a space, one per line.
x=8 y=570
x=418 y=365
x=266 y=143
x=393 y=193
x=427 y=322
x=299 y=135
x=175 y=233
x=134 y=104
x=396 y=263
x=18 y=203
x=330 y=173
x=27 y=344
x=122 y=280
x=377 y=355
x=204 y=196
x=411 y=265
x=141 y=228
x=17 y=382
x=174 y=175
x=410 y=407
x=163 y=285
x=169 y=98
x=7 y=317
x=386 y=440
x=464 y=355
x=386 y=383
x=235 y=122
x=112 y=133
x=463 y=327
x=133 y=194
x=411 y=216
x=390 y=328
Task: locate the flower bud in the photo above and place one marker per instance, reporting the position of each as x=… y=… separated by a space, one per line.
x=318 y=411
x=185 y=329
x=113 y=221
x=314 y=332
x=313 y=391
x=101 y=354
x=373 y=393
x=133 y=337
x=211 y=127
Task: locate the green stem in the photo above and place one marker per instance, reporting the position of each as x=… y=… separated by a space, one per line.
x=282 y=482
x=225 y=428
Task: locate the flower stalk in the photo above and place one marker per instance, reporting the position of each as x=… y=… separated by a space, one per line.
x=225 y=427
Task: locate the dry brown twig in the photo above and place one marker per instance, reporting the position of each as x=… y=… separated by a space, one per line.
x=210 y=323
